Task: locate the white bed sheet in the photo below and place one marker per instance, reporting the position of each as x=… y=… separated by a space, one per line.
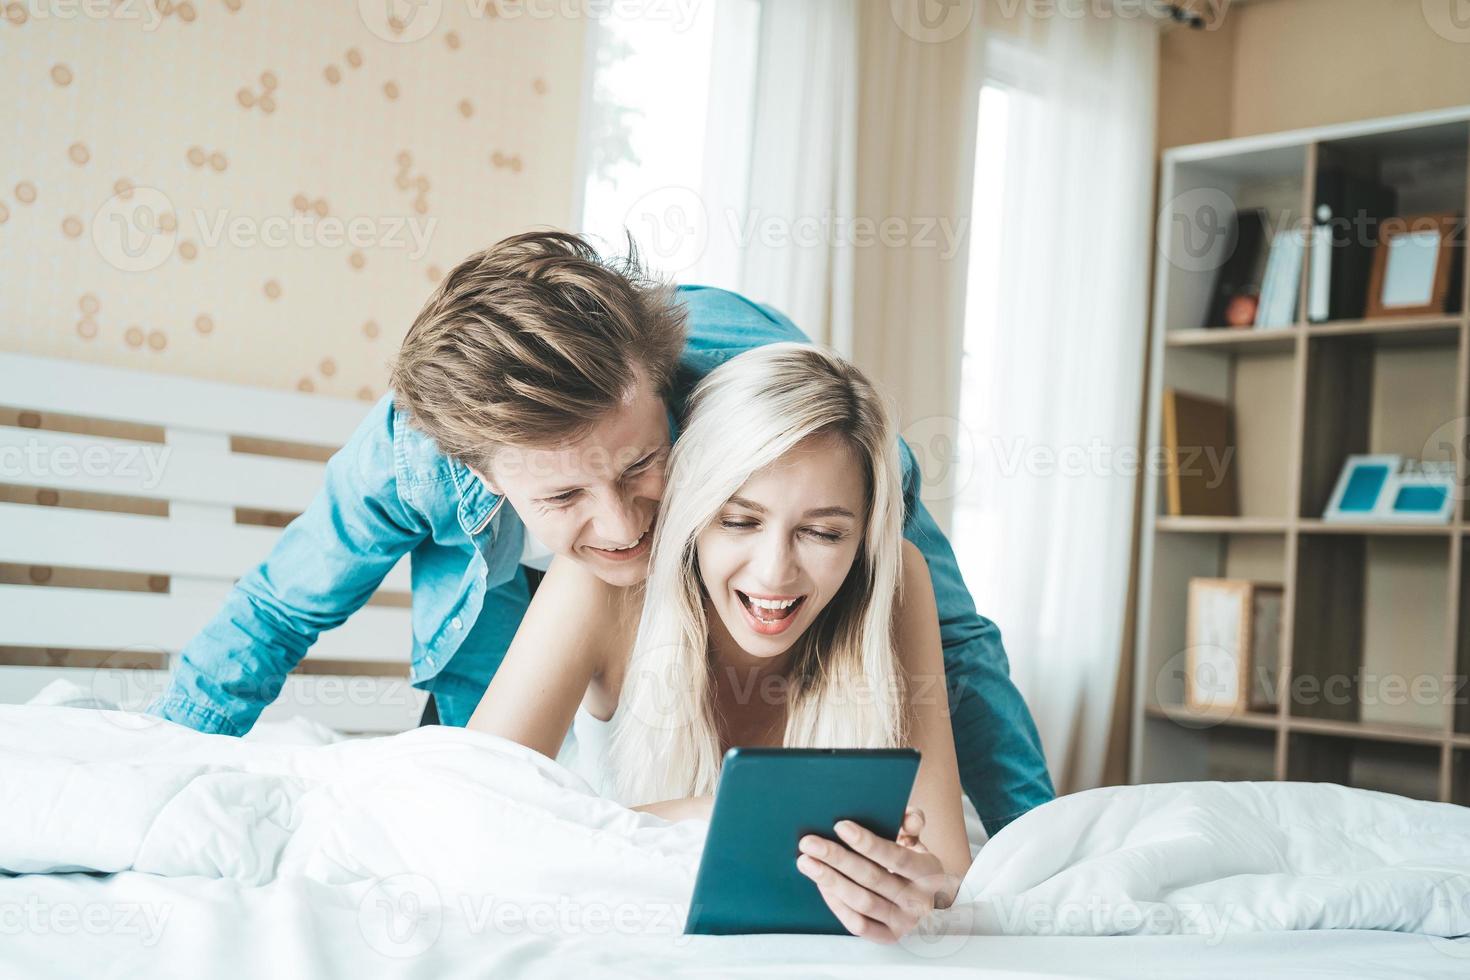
x=296 y=928
x=238 y=858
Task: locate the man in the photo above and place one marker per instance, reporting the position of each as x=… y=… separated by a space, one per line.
x=533 y=404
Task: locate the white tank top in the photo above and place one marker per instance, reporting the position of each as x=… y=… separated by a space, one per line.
x=585 y=752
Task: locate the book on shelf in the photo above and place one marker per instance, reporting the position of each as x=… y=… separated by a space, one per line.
x=1281 y=288
x=1200 y=471
x=1347 y=213
x=1244 y=267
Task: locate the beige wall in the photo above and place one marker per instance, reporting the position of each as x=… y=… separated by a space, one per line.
x=1287 y=64
x=482 y=109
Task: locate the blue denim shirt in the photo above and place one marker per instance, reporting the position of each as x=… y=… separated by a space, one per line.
x=390 y=491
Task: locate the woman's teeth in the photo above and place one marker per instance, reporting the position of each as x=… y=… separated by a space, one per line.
x=769 y=610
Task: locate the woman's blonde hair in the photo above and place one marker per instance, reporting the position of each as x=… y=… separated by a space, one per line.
x=843 y=685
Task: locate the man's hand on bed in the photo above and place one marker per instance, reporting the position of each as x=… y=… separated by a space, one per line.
x=878 y=889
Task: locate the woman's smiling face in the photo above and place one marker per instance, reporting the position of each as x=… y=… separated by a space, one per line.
x=781 y=547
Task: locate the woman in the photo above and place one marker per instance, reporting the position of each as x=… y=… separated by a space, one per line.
x=783 y=608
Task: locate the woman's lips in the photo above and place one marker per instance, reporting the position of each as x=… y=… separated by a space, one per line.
x=769 y=622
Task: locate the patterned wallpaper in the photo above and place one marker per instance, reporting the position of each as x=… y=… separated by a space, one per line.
x=265 y=191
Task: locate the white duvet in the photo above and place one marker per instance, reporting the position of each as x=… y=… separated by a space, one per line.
x=445 y=821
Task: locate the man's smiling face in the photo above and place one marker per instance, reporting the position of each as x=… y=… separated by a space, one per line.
x=595 y=499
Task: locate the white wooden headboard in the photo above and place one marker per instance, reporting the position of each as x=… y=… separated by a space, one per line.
x=129 y=503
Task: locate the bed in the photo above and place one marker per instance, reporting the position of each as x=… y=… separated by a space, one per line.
x=135 y=847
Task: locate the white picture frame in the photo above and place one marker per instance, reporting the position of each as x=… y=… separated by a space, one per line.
x=1380 y=488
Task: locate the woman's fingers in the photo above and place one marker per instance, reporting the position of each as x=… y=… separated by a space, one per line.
x=913 y=826
x=861 y=912
x=895 y=857
x=855 y=867
x=868 y=888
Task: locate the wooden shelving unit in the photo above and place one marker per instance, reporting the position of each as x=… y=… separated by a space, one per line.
x=1376 y=619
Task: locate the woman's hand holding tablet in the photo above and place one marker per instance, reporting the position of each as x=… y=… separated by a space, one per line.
x=879 y=889
x=774 y=809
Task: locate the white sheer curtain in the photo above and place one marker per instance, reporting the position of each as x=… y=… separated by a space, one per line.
x=1053 y=362
x=802 y=158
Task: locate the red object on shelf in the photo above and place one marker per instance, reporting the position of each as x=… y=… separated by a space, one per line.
x=1242 y=311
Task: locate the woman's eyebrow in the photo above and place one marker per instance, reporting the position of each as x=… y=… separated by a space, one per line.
x=815 y=512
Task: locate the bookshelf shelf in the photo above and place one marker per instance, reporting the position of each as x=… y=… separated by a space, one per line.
x=1222 y=525
x=1205 y=719
x=1443 y=328
x=1369 y=731
x=1366 y=608
x=1243 y=341
x=1318 y=526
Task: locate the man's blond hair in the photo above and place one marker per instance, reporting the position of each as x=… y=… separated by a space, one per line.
x=530 y=342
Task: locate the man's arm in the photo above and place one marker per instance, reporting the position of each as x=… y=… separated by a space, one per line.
x=326 y=564
x=1002 y=767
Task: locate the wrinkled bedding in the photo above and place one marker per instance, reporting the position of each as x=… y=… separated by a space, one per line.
x=475 y=835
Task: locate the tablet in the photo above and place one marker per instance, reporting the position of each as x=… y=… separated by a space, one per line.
x=766 y=801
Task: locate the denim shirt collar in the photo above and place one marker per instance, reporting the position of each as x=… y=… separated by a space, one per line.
x=477 y=505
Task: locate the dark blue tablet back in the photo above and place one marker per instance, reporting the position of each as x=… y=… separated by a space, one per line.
x=767 y=800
